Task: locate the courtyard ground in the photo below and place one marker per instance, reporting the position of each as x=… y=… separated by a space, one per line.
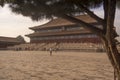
x=39 y=65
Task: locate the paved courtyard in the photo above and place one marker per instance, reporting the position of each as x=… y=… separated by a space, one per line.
x=38 y=65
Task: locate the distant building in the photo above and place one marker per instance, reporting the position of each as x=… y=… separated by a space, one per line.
x=9 y=41
x=61 y=30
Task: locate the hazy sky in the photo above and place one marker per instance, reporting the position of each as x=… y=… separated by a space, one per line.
x=12 y=25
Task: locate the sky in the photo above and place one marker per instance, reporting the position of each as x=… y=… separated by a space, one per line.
x=13 y=25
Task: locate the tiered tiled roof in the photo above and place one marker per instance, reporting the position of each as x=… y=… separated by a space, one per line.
x=63 y=22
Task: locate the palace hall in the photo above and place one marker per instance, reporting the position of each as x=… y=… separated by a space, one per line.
x=61 y=34
x=61 y=30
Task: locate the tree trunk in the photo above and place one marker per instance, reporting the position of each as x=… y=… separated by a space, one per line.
x=113 y=56
x=110 y=35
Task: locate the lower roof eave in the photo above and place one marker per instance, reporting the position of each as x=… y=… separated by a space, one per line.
x=32 y=35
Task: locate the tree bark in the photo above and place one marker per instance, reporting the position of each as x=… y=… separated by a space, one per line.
x=113 y=55
x=110 y=35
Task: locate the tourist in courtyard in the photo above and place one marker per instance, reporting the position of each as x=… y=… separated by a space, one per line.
x=50 y=51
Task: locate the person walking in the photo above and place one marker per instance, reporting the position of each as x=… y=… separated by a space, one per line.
x=50 y=51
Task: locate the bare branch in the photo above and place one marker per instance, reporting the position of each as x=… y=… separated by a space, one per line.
x=92 y=28
x=90 y=13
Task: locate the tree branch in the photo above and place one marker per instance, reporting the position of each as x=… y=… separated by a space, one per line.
x=90 y=13
x=92 y=28
x=105 y=7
